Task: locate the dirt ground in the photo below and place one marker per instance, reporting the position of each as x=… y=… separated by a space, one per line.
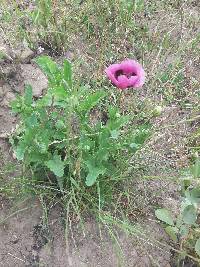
x=24 y=242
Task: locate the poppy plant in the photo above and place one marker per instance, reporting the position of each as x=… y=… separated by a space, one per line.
x=129 y=73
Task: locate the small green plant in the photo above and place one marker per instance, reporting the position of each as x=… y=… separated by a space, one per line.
x=63 y=146
x=44 y=23
x=184 y=229
x=173 y=79
x=50 y=19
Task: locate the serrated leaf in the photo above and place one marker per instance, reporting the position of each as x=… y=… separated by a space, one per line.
x=45 y=101
x=197 y=247
x=28 y=97
x=172 y=232
x=68 y=73
x=56 y=165
x=31 y=121
x=16 y=104
x=117 y=123
x=49 y=68
x=164 y=216
x=93 y=173
x=102 y=154
x=36 y=156
x=59 y=92
x=113 y=112
x=91 y=101
x=189 y=214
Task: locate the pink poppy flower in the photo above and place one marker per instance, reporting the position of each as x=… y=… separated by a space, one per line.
x=129 y=73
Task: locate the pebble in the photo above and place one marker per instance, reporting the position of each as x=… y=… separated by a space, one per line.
x=33 y=75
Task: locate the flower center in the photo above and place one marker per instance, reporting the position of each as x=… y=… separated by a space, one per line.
x=121 y=72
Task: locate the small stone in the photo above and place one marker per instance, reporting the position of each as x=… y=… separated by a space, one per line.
x=34 y=76
x=14 y=155
x=9 y=71
x=5 y=51
x=1 y=93
x=8 y=98
x=2 y=82
x=14 y=239
x=34 y=253
x=157 y=111
x=69 y=55
x=24 y=54
x=4 y=135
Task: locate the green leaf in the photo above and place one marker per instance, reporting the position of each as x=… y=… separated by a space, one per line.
x=91 y=101
x=20 y=150
x=189 y=214
x=113 y=113
x=86 y=144
x=115 y=134
x=16 y=104
x=197 y=247
x=68 y=73
x=93 y=173
x=172 y=232
x=165 y=216
x=117 y=123
x=196 y=168
x=45 y=101
x=195 y=195
x=49 y=68
x=59 y=92
x=184 y=231
x=28 y=98
x=60 y=125
x=42 y=138
x=56 y=165
x=31 y=121
x=134 y=146
x=179 y=220
x=36 y=157
x=102 y=154
x=141 y=134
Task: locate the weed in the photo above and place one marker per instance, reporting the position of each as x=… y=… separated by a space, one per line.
x=185 y=228
x=42 y=23
x=63 y=148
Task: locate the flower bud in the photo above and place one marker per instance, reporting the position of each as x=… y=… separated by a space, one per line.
x=157 y=111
